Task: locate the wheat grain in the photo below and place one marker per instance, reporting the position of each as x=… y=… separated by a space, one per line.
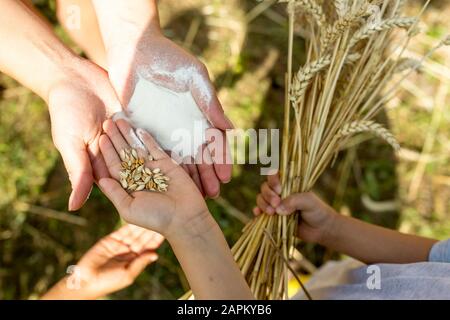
x=134 y=176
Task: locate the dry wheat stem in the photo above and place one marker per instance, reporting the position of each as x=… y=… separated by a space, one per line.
x=333 y=96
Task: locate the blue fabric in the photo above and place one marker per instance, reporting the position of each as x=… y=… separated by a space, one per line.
x=425 y=280
x=440 y=252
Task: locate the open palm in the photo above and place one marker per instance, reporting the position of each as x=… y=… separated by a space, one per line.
x=117 y=259
x=164 y=212
x=77 y=111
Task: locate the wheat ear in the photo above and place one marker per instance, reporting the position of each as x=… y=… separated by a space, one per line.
x=370 y=29
x=304 y=76
x=313 y=8
x=369 y=126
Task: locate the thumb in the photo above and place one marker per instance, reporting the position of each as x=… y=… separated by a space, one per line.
x=138 y=264
x=78 y=165
x=206 y=98
x=118 y=196
x=294 y=202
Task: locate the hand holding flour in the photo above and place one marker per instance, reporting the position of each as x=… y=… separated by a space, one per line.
x=165 y=89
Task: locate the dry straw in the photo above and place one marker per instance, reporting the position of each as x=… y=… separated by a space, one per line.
x=334 y=95
x=351 y=57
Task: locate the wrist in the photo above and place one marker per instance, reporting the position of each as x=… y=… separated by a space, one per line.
x=197 y=230
x=63 y=71
x=331 y=228
x=69 y=288
x=123 y=24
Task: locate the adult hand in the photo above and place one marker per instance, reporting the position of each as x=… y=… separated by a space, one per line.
x=161 y=61
x=78 y=105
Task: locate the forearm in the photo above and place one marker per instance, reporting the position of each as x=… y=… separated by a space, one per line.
x=70 y=289
x=374 y=244
x=124 y=23
x=209 y=265
x=29 y=50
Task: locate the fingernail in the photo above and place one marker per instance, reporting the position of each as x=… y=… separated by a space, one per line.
x=230 y=124
x=270 y=210
x=70 y=205
x=274 y=204
x=154 y=258
x=281 y=209
x=278 y=189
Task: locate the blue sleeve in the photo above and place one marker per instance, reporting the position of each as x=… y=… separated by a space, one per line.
x=440 y=252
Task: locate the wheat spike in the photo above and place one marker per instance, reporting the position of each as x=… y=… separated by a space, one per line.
x=369 y=126
x=368 y=30
x=341 y=7
x=313 y=8
x=349 y=20
x=406 y=63
x=304 y=76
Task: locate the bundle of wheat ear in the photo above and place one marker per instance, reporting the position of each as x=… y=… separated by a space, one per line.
x=352 y=55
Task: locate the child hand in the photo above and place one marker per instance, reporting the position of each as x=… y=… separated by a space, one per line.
x=178 y=212
x=110 y=265
x=316 y=217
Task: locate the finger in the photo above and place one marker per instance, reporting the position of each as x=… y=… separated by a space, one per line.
x=263 y=205
x=113 y=132
x=297 y=201
x=274 y=182
x=269 y=195
x=78 y=165
x=110 y=156
x=219 y=150
x=192 y=170
x=256 y=211
x=206 y=98
x=208 y=176
x=152 y=146
x=139 y=263
x=118 y=196
x=134 y=233
x=150 y=241
x=122 y=232
x=98 y=163
x=130 y=136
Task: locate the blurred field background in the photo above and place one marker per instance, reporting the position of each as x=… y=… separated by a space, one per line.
x=243 y=44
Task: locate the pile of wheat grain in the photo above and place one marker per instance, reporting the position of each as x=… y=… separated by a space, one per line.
x=352 y=55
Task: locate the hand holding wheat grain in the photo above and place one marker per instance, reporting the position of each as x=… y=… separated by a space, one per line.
x=176 y=212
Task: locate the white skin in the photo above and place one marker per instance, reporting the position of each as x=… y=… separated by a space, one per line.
x=134 y=45
x=320 y=223
x=79 y=93
x=112 y=264
x=180 y=215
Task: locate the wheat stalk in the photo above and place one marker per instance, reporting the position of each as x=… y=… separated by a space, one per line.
x=334 y=95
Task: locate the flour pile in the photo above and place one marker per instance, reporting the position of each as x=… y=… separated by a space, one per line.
x=173 y=118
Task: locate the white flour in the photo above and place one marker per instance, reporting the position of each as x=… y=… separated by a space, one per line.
x=173 y=118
